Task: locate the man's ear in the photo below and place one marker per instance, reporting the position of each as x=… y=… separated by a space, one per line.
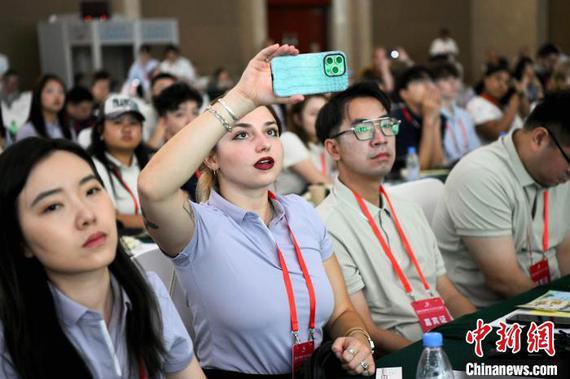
x=332 y=147
x=540 y=137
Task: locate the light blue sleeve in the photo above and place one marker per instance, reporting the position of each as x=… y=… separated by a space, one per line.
x=26 y=131
x=177 y=342
x=6 y=368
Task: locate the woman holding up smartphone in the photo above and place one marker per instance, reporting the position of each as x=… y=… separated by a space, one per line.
x=261 y=276
x=72 y=304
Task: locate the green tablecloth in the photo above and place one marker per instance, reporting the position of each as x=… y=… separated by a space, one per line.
x=459 y=351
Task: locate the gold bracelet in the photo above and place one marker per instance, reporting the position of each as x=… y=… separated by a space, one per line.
x=357 y=329
x=219 y=117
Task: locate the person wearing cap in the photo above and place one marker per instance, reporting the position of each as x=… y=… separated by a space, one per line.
x=119 y=155
x=502 y=224
x=386 y=249
x=495 y=108
x=422 y=124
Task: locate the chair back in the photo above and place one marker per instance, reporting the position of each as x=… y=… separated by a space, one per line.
x=425 y=192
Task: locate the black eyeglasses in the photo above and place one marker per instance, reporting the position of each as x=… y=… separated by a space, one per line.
x=559 y=146
x=364 y=130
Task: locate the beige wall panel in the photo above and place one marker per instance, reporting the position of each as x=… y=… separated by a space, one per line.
x=18 y=32
x=559 y=24
x=507 y=26
x=415 y=23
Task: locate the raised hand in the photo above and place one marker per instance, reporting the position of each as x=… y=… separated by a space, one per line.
x=255 y=83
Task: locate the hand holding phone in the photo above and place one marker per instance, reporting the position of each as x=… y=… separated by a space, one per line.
x=307 y=74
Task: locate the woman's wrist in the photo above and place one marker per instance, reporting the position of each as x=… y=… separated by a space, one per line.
x=238 y=103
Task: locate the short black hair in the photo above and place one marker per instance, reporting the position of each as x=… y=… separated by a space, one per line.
x=413 y=73
x=172 y=48
x=501 y=65
x=547 y=49
x=78 y=94
x=443 y=70
x=332 y=113
x=10 y=72
x=144 y=48
x=521 y=66
x=552 y=113
x=101 y=75
x=172 y=96
x=161 y=75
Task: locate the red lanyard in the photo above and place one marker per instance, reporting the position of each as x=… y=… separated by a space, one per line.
x=545 y=230
x=463 y=132
x=491 y=100
x=142 y=370
x=124 y=184
x=385 y=246
x=323 y=164
x=289 y=286
x=410 y=118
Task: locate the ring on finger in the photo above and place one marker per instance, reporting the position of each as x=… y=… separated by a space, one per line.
x=351 y=351
x=364 y=365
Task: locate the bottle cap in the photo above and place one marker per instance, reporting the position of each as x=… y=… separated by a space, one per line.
x=433 y=340
x=411 y=149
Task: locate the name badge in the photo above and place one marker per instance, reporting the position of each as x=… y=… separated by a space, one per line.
x=540 y=272
x=431 y=313
x=300 y=353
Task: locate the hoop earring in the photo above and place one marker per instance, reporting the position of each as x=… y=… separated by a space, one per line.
x=215 y=172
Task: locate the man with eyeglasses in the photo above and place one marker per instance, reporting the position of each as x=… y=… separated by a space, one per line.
x=503 y=225
x=384 y=244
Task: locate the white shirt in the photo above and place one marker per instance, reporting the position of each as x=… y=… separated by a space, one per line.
x=482 y=111
x=443 y=46
x=181 y=68
x=122 y=199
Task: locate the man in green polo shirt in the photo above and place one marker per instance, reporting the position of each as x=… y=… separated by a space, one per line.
x=503 y=225
x=393 y=269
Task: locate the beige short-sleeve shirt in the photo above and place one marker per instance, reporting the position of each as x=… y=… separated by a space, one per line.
x=490 y=194
x=366 y=267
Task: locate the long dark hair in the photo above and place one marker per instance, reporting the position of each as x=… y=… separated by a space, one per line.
x=33 y=336
x=36 y=110
x=98 y=148
x=296 y=112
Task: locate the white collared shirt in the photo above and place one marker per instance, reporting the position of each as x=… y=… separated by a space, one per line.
x=122 y=199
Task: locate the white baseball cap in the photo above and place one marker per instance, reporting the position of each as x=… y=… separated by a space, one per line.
x=117 y=105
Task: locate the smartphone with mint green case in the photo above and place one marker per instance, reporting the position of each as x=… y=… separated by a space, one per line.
x=307 y=74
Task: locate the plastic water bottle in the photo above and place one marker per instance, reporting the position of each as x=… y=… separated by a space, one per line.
x=412 y=164
x=433 y=361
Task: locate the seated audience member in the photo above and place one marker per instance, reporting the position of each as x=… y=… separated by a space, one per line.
x=444 y=45
x=460 y=136
x=548 y=57
x=177 y=106
x=495 y=108
x=422 y=123
x=502 y=225
x=304 y=158
x=119 y=155
x=219 y=83
x=73 y=304
x=379 y=71
x=79 y=107
x=267 y=259
x=177 y=65
x=153 y=133
x=527 y=81
x=385 y=246
x=101 y=87
x=47 y=113
x=142 y=69
x=560 y=79
x=3 y=132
